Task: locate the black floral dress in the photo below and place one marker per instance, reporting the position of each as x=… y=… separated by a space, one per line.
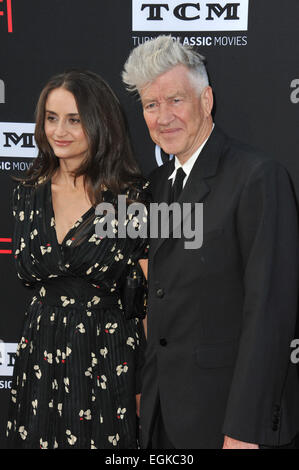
x=77 y=365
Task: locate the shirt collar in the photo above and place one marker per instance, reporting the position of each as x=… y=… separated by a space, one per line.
x=188 y=165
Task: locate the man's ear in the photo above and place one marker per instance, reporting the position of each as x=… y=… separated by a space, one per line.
x=207 y=100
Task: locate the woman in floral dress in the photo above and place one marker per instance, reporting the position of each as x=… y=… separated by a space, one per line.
x=76 y=375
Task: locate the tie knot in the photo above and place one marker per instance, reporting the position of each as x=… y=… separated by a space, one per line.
x=180 y=175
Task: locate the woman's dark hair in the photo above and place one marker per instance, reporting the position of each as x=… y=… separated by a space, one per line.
x=109 y=162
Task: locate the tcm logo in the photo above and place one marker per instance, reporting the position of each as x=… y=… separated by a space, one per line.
x=175 y=15
x=2 y=91
x=7 y=358
x=5 y=247
x=295 y=91
x=17 y=140
x=6 y=11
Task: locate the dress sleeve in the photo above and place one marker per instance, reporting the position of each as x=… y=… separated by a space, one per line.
x=140 y=220
x=140 y=354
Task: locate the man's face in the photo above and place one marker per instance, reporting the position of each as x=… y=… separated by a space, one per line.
x=177 y=118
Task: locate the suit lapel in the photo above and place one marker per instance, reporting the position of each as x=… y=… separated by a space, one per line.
x=197 y=186
x=162 y=192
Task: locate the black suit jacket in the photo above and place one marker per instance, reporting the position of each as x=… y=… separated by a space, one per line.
x=221 y=317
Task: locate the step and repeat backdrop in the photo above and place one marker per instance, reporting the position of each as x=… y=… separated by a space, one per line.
x=252 y=50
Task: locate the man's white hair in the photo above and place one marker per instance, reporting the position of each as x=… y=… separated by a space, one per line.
x=155 y=57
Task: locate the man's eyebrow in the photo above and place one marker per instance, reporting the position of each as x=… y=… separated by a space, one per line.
x=169 y=97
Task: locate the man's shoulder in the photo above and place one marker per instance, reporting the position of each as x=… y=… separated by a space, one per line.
x=245 y=157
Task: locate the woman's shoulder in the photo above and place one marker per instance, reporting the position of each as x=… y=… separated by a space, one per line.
x=24 y=185
x=138 y=191
x=23 y=190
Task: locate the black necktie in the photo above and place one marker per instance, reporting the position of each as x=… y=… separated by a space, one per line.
x=178 y=184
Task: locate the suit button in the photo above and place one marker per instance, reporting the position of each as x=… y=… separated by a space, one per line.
x=275 y=427
x=163 y=342
x=160 y=293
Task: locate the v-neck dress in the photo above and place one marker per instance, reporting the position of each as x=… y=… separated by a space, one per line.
x=78 y=361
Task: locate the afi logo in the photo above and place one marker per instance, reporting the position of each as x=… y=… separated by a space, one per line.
x=8 y=12
x=175 y=15
x=17 y=140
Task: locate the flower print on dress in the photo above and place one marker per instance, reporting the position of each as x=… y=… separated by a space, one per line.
x=33 y=234
x=59 y=408
x=131 y=342
x=66 y=301
x=71 y=438
x=94 y=360
x=21 y=247
x=66 y=382
x=80 y=328
x=43 y=444
x=8 y=427
x=46 y=249
x=38 y=372
x=61 y=356
x=13 y=395
x=113 y=439
x=93 y=267
x=122 y=368
x=94 y=301
x=104 y=352
x=34 y=406
x=24 y=379
x=23 y=432
x=22 y=344
x=42 y=292
x=119 y=256
x=92 y=444
x=110 y=328
x=85 y=414
x=121 y=413
x=102 y=382
x=95 y=239
x=48 y=357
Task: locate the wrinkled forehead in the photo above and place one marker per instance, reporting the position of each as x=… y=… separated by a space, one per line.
x=176 y=81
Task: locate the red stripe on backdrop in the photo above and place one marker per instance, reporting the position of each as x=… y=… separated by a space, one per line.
x=9 y=16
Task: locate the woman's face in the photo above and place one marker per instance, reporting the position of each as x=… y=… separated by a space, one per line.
x=63 y=127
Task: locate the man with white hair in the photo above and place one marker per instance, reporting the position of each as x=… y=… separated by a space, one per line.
x=220 y=317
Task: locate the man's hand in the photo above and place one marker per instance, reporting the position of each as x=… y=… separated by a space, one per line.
x=230 y=443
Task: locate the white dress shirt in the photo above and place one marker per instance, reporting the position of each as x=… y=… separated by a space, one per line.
x=188 y=165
